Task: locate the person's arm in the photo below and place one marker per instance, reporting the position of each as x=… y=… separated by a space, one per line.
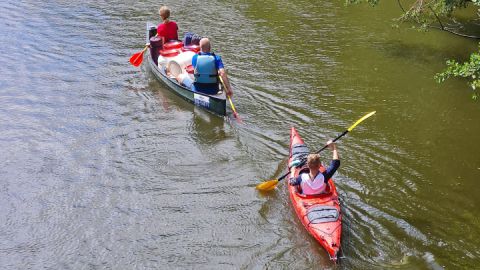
x=223 y=74
x=160 y=29
x=161 y=32
x=335 y=164
x=292 y=181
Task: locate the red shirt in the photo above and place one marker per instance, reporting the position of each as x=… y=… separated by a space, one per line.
x=168 y=30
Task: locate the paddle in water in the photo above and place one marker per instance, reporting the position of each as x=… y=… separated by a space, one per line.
x=235 y=114
x=271 y=184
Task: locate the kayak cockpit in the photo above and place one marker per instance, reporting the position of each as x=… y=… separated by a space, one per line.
x=326 y=193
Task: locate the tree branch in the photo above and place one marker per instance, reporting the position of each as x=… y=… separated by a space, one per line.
x=400 y=5
x=438 y=19
x=455 y=33
x=417 y=7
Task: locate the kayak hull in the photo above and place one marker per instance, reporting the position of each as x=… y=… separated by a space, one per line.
x=320 y=214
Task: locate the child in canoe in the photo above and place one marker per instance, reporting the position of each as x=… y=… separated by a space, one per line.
x=167 y=29
x=315 y=182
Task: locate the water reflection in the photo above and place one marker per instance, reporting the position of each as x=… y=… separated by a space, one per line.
x=206 y=128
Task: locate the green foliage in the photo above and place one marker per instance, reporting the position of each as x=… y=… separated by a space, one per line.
x=469 y=70
x=423 y=11
x=426 y=12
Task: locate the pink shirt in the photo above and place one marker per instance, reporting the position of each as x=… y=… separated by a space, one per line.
x=168 y=30
x=312 y=187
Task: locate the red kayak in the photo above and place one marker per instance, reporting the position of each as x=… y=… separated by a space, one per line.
x=320 y=214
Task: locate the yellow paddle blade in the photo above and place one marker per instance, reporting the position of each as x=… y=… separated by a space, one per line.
x=361 y=120
x=267 y=185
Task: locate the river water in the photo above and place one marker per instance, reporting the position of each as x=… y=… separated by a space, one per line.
x=102 y=167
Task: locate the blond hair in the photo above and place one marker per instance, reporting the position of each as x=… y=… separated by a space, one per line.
x=313 y=160
x=164 y=12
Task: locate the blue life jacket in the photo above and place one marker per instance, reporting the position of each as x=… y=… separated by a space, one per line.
x=206 y=70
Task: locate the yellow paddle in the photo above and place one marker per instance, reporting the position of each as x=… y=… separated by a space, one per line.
x=271 y=184
x=235 y=114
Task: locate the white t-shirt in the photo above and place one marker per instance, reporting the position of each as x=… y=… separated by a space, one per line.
x=309 y=187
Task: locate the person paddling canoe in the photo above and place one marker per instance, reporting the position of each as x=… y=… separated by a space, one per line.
x=208 y=67
x=315 y=182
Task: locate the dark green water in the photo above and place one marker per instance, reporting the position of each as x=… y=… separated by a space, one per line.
x=104 y=168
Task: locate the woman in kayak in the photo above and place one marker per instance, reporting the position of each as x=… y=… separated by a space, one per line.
x=167 y=29
x=315 y=182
